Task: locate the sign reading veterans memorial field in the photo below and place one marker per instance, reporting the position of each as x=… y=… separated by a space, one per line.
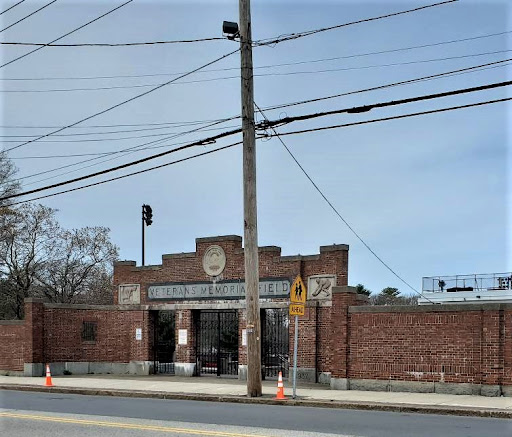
x=269 y=288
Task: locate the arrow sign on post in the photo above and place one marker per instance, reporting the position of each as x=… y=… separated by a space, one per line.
x=298 y=295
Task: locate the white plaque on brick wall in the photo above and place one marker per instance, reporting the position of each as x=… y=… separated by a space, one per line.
x=129 y=294
x=320 y=287
x=182 y=336
x=244 y=337
x=138 y=333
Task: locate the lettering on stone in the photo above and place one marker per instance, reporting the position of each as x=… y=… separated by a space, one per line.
x=268 y=288
x=320 y=287
x=129 y=294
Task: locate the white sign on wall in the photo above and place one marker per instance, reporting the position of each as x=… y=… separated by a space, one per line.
x=244 y=337
x=138 y=333
x=182 y=336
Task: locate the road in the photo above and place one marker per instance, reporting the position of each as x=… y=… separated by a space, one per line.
x=64 y=415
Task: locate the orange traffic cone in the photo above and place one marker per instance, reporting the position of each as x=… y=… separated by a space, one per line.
x=48 y=382
x=280 y=387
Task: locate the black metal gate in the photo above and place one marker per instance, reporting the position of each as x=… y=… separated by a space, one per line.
x=164 y=341
x=217 y=343
x=275 y=345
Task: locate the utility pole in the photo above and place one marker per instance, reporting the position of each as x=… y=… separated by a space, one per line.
x=250 y=208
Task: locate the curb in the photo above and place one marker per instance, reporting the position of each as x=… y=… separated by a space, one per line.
x=349 y=405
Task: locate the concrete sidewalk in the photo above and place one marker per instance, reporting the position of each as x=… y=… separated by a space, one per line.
x=233 y=390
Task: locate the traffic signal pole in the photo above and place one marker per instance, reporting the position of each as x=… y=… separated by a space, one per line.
x=250 y=209
x=143 y=230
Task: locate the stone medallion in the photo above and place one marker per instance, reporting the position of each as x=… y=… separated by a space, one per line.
x=214 y=261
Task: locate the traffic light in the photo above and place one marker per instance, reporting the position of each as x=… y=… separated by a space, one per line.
x=147 y=214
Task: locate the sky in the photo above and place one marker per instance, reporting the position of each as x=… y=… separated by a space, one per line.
x=429 y=194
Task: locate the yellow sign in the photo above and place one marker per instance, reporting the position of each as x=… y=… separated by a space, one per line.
x=296 y=309
x=298 y=291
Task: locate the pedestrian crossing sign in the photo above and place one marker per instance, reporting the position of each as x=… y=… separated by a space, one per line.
x=298 y=291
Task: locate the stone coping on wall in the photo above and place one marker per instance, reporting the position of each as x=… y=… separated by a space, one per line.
x=430 y=308
x=219 y=238
x=12 y=322
x=66 y=306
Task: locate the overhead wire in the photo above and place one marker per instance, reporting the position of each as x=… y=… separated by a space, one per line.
x=275 y=74
x=27 y=16
x=365 y=108
x=292 y=36
x=261 y=137
x=393 y=84
x=209 y=140
x=395 y=117
x=331 y=205
x=144 y=146
x=129 y=44
x=66 y=34
x=269 y=124
x=285 y=64
x=129 y=174
x=13 y=6
x=131 y=99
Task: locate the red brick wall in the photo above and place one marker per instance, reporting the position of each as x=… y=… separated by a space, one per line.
x=12 y=345
x=115 y=338
x=463 y=345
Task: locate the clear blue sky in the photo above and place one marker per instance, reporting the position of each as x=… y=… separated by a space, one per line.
x=431 y=194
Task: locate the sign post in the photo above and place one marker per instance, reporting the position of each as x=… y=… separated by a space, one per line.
x=298 y=295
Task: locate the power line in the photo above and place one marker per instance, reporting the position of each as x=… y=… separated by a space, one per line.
x=27 y=16
x=288 y=73
x=125 y=101
x=265 y=125
x=393 y=84
x=177 y=123
x=317 y=188
x=288 y=37
x=357 y=55
x=13 y=6
x=129 y=44
x=128 y=175
x=92 y=140
x=129 y=151
x=79 y=134
x=395 y=117
x=205 y=141
x=63 y=36
x=366 y=108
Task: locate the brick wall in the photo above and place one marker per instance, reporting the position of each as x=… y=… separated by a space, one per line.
x=448 y=344
x=115 y=337
x=12 y=345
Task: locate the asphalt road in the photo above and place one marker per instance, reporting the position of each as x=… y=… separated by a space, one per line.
x=59 y=415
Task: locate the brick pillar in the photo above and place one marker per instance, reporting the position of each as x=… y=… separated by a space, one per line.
x=34 y=335
x=242 y=348
x=342 y=298
x=306 y=352
x=185 y=364
x=492 y=351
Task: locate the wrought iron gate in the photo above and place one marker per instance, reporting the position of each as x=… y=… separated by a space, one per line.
x=164 y=341
x=275 y=345
x=217 y=343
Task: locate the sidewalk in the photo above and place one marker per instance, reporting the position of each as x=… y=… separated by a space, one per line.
x=233 y=390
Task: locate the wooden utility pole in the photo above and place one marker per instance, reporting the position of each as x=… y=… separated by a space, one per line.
x=250 y=209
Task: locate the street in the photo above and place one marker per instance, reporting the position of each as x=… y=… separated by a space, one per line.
x=56 y=415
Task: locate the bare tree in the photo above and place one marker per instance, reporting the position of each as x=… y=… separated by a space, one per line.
x=8 y=185
x=27 y=241
x=80 y=262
